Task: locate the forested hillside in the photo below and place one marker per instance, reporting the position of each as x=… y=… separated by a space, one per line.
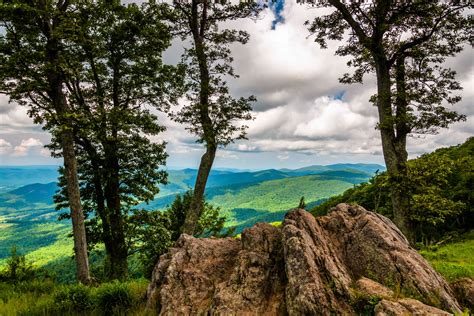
x=29 y=220
x=441 y=186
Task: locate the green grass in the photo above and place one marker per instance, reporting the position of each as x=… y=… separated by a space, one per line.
x=47 y=298
x=454 y=260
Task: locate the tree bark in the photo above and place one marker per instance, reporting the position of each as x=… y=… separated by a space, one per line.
x=117 y=266
x=394 y=148
x=193 y=214
x=198 y=28
x=77 y=216
x=55 y=79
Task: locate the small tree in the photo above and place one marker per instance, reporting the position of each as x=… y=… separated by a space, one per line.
x=403 y=43
x=302 y=203
x=18 y=269
x=154 y=232
x=34 y=63
x=211 y=113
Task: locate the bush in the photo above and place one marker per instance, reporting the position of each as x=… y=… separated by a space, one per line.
x=114 y=297
x=440 y=186
x=17 y=269
x=73 y=298
x=154 y=232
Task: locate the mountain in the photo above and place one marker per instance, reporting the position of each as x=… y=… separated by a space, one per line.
x=29 y=221
x=315 y=169
x=37 y=192
x=15 y=176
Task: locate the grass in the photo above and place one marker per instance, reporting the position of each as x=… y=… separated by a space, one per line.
x=454 y=260
x=47 y=298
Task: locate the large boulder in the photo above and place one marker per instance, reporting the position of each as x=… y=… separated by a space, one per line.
x=308 y=266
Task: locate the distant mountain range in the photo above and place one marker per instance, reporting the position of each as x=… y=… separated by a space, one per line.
x=29 y=221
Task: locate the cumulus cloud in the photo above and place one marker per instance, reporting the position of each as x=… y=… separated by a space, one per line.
x=303 y=114
x=30 y=146
x=5 y=147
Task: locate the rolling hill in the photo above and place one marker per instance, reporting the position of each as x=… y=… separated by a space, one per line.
x=29 y=221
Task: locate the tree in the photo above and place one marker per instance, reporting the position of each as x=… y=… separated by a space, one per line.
x=302 y=203
x=154 y=232
x=33 y=72
x=440 y=186
x=403 y=43
x=211 y=112
x=120 y=73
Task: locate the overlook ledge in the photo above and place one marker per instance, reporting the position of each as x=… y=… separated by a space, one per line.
x=350 y=260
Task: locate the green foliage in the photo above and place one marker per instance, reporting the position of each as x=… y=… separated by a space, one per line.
x=242 y=202
x=440 y=185
x=302 y=203
x=212 y=112
x=73 y=298
x=419 y=87
x=155 y=231
x=118 y=68
x=18 y=269
x=114 y=297
x=363 y=303
x=43 y=297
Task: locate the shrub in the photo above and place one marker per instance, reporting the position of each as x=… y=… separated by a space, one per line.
x=37 y=286
x=154 y=232
x=73 y=297
x=114 y=297
x=17 y=269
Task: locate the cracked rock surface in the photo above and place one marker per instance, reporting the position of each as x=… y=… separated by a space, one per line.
x=308 y=266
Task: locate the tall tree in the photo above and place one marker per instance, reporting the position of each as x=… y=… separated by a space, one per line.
x=120 y=76
x=33 y=73
x=403 y=43
x=211 y=113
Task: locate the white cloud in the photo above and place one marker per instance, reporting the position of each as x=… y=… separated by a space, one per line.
x=224 y=154
x=5 y=147
x=296 y=115
x=28 y=146
x=283 y=156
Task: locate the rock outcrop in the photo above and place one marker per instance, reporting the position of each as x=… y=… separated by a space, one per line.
x=464 y=292
x=308 y=266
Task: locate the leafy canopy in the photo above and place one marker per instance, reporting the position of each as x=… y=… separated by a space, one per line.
x=410 y=38
x=210 y=112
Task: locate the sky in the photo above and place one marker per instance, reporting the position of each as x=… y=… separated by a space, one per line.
x=303 y=115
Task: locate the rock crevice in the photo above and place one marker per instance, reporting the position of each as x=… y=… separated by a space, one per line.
x=308 y=266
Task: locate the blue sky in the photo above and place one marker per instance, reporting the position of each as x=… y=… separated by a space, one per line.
x=303 y=115
x=277 y=8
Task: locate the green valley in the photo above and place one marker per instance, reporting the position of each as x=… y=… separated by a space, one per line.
x=28 y=218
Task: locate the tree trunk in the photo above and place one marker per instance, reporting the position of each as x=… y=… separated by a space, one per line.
x=193 y=214
x=70 y=165
x=394 y=150
x=117 y=266
x=77 y=216
x=198 y=27
x=55 y=79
